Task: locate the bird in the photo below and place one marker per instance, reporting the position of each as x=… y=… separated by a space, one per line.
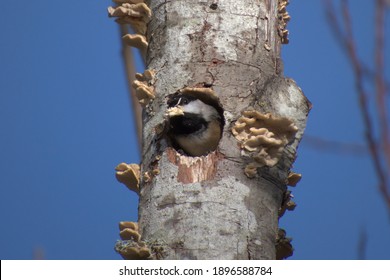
x=195 y=127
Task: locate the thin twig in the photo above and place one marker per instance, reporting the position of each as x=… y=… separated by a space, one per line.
x=334 y=146
x=369 y=133
x=380 y=79
x=362 y=244
x=129 y=62
x=348 y=43
x=367 y=71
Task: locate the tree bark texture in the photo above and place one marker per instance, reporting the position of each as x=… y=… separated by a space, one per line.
x=208 y=207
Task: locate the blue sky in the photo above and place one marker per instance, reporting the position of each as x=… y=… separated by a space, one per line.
x=66 y=123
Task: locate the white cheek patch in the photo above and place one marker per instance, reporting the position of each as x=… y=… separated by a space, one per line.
x=200 y=108
x=193 y=107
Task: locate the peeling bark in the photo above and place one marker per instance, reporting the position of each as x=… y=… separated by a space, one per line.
x=207 y=207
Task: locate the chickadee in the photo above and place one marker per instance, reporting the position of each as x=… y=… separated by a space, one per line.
x=194 y=126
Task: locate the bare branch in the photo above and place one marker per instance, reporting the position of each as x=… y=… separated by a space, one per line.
x=362 y=244
x=380 y=83
x=333 y=146
x=129 y=62
x=348 y=44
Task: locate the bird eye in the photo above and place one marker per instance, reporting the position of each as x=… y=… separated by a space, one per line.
x=184 y=101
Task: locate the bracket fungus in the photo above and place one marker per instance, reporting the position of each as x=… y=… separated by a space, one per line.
x=293 y=179
x=143 y=89
x=143 y=93
x=284 y=249
x=263 y=137
x=133 y=12
x=131 y=247
x=136 y=41
x=287 y=203
x=137 y=14
x=128 y=174
x=129 y=231
x=283 y=18
x=147 y=76
x=146 y=177
x=130 y=250
x=251 y=170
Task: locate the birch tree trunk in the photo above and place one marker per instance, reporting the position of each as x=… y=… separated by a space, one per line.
x=224 y=205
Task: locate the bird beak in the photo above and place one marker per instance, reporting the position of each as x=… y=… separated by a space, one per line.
x=175 y=111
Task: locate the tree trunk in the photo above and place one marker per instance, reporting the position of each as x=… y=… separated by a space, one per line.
x=224 y=205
